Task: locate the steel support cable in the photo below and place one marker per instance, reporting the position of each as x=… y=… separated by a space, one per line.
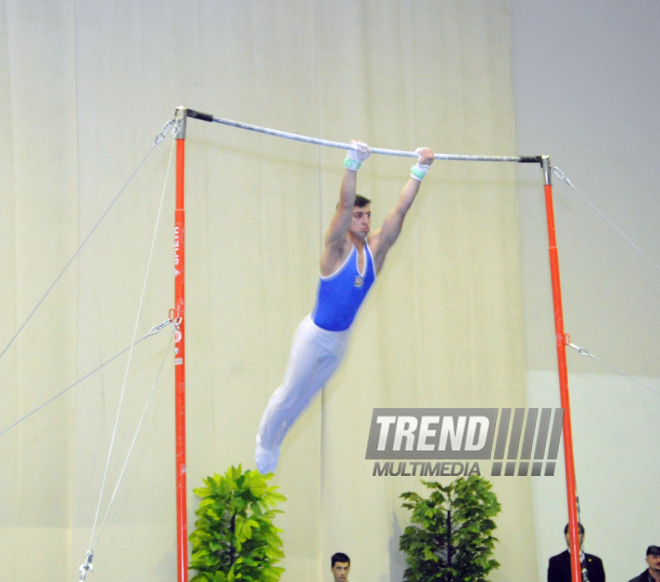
x=89 y=555
x=153 y=331
x=585 y=352
x=159 y=138
x=557 y=172
x=130 y=354
x=130 y=449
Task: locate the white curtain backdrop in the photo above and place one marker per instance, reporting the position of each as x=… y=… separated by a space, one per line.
x=86 y=87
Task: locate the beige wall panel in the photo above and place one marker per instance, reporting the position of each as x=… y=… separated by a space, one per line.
x=39 y=101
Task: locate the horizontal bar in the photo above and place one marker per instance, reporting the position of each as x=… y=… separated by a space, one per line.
x=336 y=144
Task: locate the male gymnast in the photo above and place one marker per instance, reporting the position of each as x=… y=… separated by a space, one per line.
x=350 y=261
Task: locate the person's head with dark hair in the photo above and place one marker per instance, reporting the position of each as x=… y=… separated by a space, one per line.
x=340 y=564
x=361 y=221
x=653 y=560
x=580 y=529
x=567 y=535
x=339 y=557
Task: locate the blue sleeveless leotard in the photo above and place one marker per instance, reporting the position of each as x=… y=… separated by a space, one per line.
x=340 y=295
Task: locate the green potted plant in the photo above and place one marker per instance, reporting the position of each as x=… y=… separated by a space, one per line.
x=235 y=538
x=450 y=537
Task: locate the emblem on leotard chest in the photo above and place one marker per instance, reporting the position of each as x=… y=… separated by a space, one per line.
x=359 y=281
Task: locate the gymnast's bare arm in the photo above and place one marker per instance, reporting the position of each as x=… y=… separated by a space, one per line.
x=337 y=244
x=382 y=239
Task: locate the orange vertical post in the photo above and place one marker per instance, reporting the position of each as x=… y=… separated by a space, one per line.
x=571 y=490
x=179 y=348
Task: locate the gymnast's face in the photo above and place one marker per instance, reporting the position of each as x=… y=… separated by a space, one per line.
x=361 y=223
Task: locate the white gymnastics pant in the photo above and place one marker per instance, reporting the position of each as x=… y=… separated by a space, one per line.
x=315 y=355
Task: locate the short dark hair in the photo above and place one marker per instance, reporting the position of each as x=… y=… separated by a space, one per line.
x=339 y=557
x=361 y=201
x=580 y=529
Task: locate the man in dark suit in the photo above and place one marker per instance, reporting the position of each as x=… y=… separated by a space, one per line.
x=559 y=567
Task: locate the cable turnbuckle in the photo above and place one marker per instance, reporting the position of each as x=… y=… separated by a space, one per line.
x=563 y=177
x=156 y=328
x=581 y=351
x=163 y=132
x=87 y=566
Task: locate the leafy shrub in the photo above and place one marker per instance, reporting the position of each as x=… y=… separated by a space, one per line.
x=450 y=538
x=235 y=538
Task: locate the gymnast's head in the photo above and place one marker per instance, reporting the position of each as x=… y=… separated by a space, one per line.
x=361 y=222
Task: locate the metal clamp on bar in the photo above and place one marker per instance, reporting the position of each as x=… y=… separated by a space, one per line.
x=547 y=169
x=197 y=115
x=531 y=160
x=180 y=117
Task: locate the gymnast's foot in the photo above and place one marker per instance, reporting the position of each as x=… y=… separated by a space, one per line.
x=266 y=459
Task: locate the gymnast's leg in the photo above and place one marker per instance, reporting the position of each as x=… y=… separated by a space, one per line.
x=315 y=355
